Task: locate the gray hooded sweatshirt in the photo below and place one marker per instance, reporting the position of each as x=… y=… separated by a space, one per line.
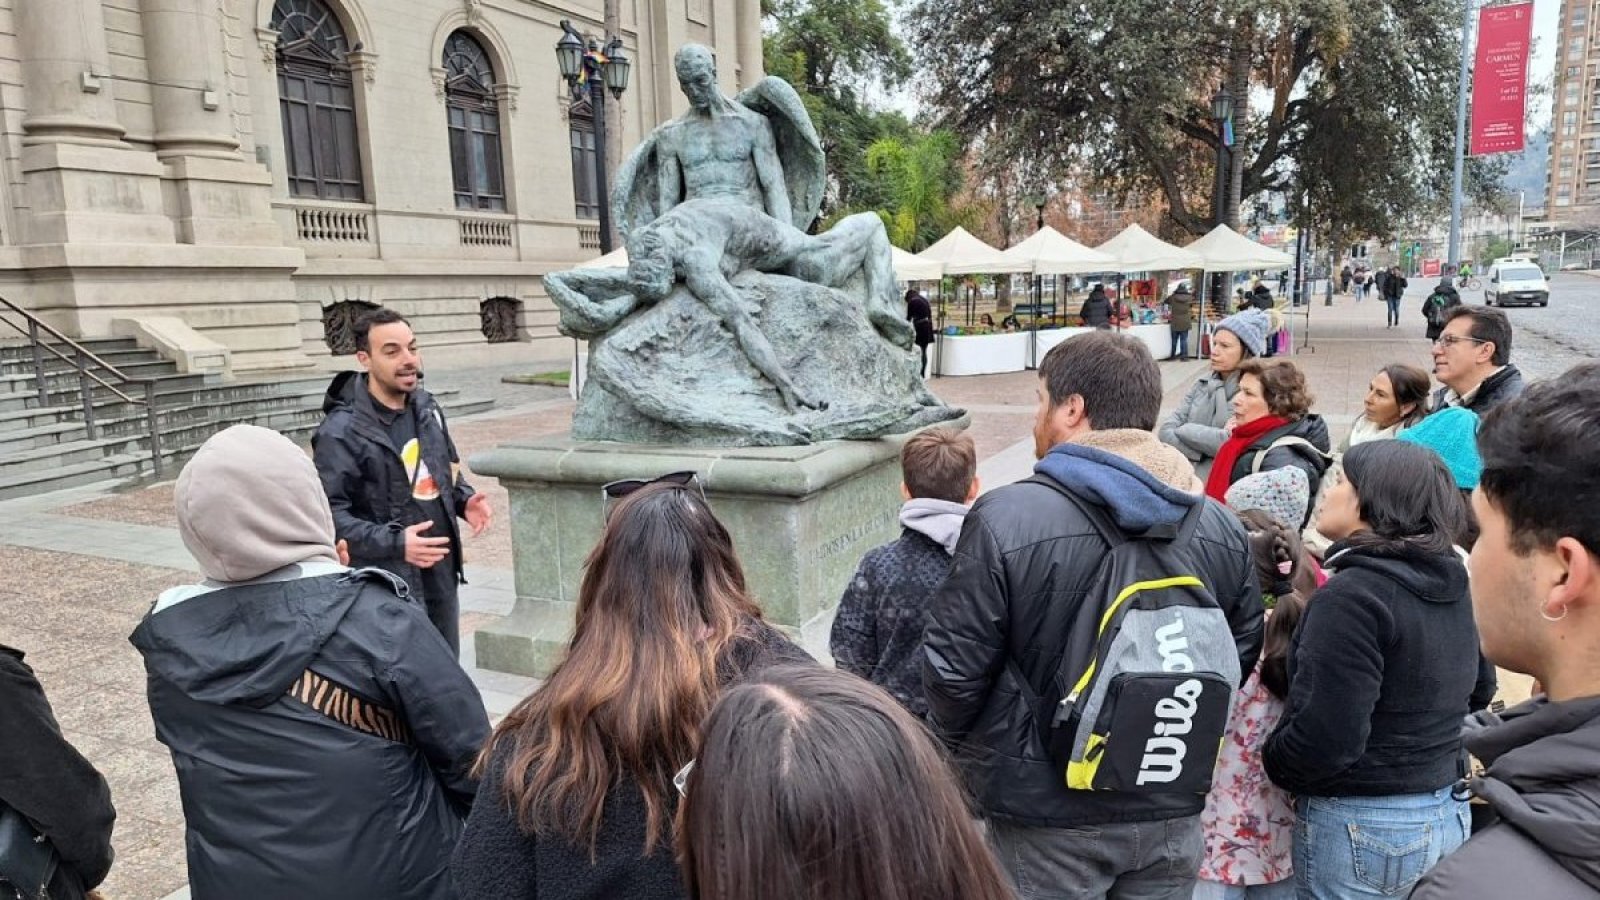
x=1543 y=781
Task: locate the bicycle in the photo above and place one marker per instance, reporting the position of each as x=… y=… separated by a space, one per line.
x=1470 y=283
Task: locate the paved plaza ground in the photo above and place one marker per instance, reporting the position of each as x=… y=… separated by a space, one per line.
x=86 y=564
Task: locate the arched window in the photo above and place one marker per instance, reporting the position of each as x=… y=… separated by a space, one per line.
x=474 y=116
x=585 y=175
x=316 y=96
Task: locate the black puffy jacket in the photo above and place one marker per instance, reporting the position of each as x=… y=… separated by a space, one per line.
x=283 y=801
x=50 y=783
x=366 y=482
x=996 y=633
x=1542 y=779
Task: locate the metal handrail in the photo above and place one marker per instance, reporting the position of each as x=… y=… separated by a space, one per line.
x=81 y=360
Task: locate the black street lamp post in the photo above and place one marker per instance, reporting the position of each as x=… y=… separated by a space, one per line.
x=1222 y=114
x=591 y=71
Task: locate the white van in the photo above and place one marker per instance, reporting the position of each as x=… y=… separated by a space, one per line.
x=1516 y=282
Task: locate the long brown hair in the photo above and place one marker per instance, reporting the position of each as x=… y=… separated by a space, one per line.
x=813 y=784
x=662 y=600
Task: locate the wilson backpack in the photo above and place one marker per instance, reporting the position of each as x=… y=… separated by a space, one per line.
x=1145 y=684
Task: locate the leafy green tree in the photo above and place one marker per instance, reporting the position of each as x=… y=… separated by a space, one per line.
x=1358 y=127
x=831 y=51
x=917 y=177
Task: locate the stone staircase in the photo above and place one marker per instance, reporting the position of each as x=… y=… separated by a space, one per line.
x=45 y=447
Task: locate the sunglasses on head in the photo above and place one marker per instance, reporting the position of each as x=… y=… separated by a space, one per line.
x=614 y=491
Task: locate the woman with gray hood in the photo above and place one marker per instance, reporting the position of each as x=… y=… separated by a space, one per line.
x=1536 y=597
x=322 y=730
x=1197 y=427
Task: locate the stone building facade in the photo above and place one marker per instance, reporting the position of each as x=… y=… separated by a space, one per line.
x=245 y=175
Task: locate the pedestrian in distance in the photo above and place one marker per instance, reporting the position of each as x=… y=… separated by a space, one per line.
x=1436 y=308
x=50 y=796
x=877 y=631
x=1369 y=742
x=322 y=730
x=1180 y=311
x=1195 y=428
x=577 y=798
x=1536 y=596
x=1017 y=681
x=920 y=314
x=811 y=784
x=1472 y=360
x=1393 y=289
x=1096 y=309
x=1344 y=279
x=1272 y=426
x=392 y=474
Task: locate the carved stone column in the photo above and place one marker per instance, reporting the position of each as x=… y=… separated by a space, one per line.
x=63 y=48
x=183 y=49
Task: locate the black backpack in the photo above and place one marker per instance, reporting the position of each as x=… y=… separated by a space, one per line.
x=1142 y=694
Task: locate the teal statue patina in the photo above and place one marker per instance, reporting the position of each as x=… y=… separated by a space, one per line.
x=732 y=325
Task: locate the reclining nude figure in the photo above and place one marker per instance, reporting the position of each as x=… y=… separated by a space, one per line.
x=706 y=242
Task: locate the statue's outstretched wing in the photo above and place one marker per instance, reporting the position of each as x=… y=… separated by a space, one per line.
x=799 y=149
x=637 y=198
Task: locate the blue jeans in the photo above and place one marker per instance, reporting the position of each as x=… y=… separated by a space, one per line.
x=1394 y=309
x=1180 y=344
x=1346 y=847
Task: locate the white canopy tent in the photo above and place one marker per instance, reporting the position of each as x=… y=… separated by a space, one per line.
x=1049 y=252
x=1225 y=250
x=962 y=254
x=909 y=266
x=1137 y=250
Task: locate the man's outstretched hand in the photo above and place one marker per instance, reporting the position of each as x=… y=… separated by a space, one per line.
x=478 y=514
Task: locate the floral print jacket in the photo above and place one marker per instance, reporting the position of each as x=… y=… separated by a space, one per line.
x=1248 y=823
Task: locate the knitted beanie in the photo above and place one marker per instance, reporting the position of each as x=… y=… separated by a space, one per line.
x=1251 y=327
x=1283 y=494
x=1452 y=433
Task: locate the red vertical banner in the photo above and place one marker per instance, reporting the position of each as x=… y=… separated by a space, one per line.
x=1500 y=78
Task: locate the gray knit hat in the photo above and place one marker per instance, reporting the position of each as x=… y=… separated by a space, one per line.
x=1282 y=494
x=1251 y=327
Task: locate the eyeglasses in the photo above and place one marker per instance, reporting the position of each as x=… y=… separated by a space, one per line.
x=681 y=780
x=613 y=491
x=1450 y=340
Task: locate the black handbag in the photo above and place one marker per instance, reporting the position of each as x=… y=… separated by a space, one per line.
x=27 y=858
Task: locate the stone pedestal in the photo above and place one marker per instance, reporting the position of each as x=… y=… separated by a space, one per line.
x=800 y=517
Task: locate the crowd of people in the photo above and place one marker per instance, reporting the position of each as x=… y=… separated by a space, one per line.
x=1208 y=656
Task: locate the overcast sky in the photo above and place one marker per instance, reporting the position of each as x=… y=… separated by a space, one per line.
x=1543 y=65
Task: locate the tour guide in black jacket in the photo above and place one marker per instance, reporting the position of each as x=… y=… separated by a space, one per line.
x=388 y=465
x=322 y=733
x=1024 y=561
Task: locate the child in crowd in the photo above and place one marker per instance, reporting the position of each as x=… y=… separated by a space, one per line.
x=1248 y=824
x=878 y=631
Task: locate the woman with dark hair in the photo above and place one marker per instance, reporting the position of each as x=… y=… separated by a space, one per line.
x=1370 y=741
x=812 y=784
x=1397 y=398
x=576 y=794
x=1272 y=427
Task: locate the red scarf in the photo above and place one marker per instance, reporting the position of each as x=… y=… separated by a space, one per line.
x=1243 y=436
